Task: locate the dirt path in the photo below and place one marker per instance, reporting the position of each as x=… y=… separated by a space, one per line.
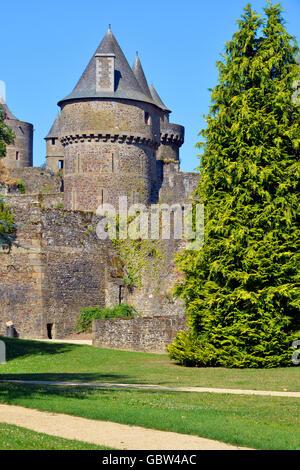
x=170 y=388
x=117 y=436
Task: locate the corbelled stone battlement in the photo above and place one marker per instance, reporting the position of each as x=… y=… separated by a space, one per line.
x=108 y=137
x=172 y=134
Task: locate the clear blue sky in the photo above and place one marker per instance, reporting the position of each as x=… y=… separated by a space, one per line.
x=46 y=45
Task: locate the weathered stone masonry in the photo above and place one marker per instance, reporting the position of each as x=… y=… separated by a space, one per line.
x=62 y=271
x=112 y=138
x=63 y=268
x=149 y=334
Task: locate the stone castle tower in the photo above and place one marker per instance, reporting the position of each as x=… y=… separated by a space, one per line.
x=113 y=137
x=19 y=154
x=54 y=148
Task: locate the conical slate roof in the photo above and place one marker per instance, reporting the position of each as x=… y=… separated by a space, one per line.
x=157 y=100
x=126 y=84
x=54 y=131
x=140 y=76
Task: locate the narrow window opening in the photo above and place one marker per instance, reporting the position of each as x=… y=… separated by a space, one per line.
x=120 y=294
x=49 y=330
x=53 y=141
x=17 y=155
x=60 y=164
x=147 y=119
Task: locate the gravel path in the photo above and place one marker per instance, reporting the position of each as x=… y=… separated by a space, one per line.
x=117 y=436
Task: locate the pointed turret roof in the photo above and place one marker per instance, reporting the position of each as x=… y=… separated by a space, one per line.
x=54 y=131
x=126 y=84
x=140 y=76
x=157 y=100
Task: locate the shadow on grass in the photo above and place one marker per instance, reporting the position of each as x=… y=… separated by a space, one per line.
x=68 y=377
x=10 y=393
x=16 y=348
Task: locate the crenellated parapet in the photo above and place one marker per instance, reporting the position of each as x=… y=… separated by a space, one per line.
x=125 y=138
x=172 y=134
x=171 y=139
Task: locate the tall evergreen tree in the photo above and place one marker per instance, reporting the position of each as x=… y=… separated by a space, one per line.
x=240 y=289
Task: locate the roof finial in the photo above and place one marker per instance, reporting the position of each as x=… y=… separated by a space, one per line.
x=137 y=53
x=109 y=27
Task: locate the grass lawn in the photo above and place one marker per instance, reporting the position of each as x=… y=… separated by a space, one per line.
x=34 y=360
x=17 y=438
x=248 y=421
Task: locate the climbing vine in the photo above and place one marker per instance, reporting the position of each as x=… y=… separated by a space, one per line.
x=7 y=226
x=141 y=258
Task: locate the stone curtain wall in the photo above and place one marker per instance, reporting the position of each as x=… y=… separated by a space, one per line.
x=67 y=268
x=74 y=268
x=37 y=180
x=62 y=271
x=176 y=186
x=21 y=290
x=149 y=334
x=155 y=296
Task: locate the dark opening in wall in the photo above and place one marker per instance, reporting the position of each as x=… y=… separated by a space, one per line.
x=147 y=119
x=53 y=141
x=17 y=155
x=60 y=164
x=49 y=330
x=120 y=294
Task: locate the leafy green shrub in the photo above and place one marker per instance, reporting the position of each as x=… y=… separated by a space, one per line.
x=88 y=314
x=7 y=227
x=21 y=187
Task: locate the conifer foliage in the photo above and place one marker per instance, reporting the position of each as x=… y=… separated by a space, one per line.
x=240 y=289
